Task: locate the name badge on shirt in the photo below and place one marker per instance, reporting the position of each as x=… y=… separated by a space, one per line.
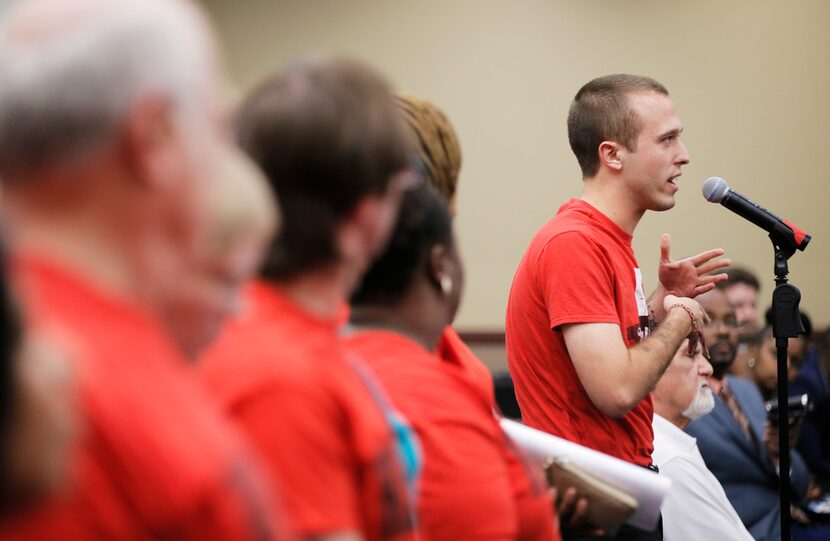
x=639 y=332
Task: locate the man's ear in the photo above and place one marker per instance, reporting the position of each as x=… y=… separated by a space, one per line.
x=146 y=142
x=611 y=155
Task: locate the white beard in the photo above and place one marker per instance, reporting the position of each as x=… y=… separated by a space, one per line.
x=703 y=403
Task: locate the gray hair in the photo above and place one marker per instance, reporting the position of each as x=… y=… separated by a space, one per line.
x=66 y=94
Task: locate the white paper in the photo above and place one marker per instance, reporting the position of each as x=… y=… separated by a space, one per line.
x=647 y=487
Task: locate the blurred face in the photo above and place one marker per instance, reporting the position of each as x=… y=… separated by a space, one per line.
x=197 y=147
x=212 y=294
x=455 y=270
x=797 y=350
x=684 y=391
x=745 y=300
x=765 y=369
x=199 y=141
x=652 y=168
x=721 y=333
x=765 y=355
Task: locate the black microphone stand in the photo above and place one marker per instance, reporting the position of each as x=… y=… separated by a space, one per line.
x=786 y=324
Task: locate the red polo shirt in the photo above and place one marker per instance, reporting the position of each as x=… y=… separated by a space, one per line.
x=529 y=488
x=280 y=373
x=469 y=488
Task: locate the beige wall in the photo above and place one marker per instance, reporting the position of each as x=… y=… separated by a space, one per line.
x=750 y=79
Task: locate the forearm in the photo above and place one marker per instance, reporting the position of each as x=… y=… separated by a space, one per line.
x=648 y=360
x=617 y=377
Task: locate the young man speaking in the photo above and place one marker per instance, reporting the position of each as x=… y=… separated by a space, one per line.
x=583 y=343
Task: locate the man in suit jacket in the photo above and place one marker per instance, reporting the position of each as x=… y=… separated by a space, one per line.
x=731 y=438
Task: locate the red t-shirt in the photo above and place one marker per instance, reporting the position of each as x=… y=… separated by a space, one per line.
x=529 y=488
x=579 y=268
x=452 y=349
x=156 y=459
x=280 y=373
x=466 y=490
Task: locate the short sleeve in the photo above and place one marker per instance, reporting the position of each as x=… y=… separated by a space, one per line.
x=577 y=281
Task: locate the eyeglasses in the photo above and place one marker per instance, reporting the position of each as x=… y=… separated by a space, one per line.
x=729 y=321
x=695 y=338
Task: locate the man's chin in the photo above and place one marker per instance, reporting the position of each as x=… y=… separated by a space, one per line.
x=665 y=204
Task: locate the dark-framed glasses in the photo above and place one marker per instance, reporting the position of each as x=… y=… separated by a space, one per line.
x=729 y=321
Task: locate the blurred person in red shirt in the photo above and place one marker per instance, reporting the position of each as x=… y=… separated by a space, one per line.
x=112 y=120
x=398 y=316
x=329 y=139
x=440 y=160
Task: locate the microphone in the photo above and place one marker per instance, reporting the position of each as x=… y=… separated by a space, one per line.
x=782 y=232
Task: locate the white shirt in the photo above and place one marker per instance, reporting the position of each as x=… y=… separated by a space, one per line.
x=696 y=506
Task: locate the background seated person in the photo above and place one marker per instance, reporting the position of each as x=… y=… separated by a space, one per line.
x=732 y=439
x=398 y=315
x=814 y=440
x=696 y=507
x=439 y=158
x=800 y=348
x=742 y=288
x=763 y=361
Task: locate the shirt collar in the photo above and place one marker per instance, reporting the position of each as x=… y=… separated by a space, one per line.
x=677 y=437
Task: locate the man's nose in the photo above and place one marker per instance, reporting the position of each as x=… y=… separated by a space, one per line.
x=683 y=157
x=704 y=367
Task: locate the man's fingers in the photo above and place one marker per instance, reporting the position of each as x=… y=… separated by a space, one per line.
x=713 y=265
x=665 y=248
x=713 y=279
x=703 y=257
x=567 y=503
x=554 y=498
x=700 y=290
x=578 y=515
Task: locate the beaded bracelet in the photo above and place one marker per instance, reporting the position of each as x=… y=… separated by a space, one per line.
x=688 y=310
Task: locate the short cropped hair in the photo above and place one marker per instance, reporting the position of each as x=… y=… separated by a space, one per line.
x=423 y=222
x=739 y=275
x=326 y=133
x=439 y=150
x=601 y=111
x=68 y=94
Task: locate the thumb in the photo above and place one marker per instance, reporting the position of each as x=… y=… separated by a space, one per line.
x=665 y=247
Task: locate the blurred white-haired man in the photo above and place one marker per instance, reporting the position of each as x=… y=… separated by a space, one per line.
x=112 y=120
